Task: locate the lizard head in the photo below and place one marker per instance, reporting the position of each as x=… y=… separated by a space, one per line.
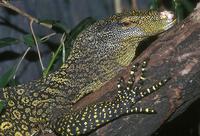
x=141 y=24
x=148 y=23
x=121 y=33
x=115 y=39
x=134 y=26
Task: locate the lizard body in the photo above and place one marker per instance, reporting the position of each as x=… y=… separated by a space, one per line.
x=96 y=115
x=98 y=54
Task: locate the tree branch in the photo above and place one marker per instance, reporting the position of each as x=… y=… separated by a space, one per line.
x=7 y=4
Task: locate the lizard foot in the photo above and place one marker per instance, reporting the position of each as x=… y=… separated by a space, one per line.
x=93 y=116
x=132 y=91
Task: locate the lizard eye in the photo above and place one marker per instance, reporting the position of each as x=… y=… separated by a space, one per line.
x=127 y=23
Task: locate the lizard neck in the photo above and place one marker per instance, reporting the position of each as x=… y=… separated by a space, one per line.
x=83 y=75
x=94 y=59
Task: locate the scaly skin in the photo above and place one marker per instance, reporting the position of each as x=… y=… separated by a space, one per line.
x=98 y=54
x=94 y=116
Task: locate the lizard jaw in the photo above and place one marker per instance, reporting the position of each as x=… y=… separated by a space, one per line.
x=171 y=20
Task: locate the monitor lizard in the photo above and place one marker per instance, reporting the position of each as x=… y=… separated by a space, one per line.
x=99 y=52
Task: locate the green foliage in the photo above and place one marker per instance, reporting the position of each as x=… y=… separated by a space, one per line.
x=178 y=7
x=59 y=27
x=26 y=39
x=154 y=4
x=52 y=61
x=56 y=25
x=6 y=77
x=29 y=40
x=8 y=41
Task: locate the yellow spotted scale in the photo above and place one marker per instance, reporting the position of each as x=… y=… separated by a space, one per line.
x=99 y=52
x=93 y=116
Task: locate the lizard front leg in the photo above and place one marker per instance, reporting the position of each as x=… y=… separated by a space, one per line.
x=94 y=116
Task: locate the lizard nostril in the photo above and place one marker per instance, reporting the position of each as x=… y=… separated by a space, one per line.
x=169 y=15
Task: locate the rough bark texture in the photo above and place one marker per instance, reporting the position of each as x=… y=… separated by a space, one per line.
x=175 y=53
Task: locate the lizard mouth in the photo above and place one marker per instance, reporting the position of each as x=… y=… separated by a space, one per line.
x=170 y=24
x=169 y=17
